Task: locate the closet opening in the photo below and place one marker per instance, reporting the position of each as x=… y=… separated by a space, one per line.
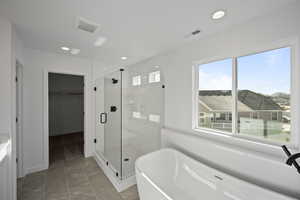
x=65 y=117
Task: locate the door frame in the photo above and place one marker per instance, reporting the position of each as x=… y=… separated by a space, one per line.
x=46 y=111
x=19 y=115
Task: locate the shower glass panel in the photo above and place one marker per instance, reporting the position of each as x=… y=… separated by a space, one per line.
x=129 y=116
x=143 y=95
x=113 y=121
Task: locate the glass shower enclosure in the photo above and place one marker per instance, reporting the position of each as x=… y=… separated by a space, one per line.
x=129 y=116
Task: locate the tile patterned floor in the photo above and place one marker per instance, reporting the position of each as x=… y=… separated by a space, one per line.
x=71 y=177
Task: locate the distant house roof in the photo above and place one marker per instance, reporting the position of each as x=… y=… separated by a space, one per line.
x=247 y=100
x=222 y=103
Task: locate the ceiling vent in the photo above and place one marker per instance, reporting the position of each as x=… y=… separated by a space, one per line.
x=192 y=34
x=87 y=26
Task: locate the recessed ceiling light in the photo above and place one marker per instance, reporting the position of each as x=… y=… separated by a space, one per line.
x=219 y=14
x=156 y=66
x=75 y=51
x=65 y=48
x=100 y=41
x=124 y=58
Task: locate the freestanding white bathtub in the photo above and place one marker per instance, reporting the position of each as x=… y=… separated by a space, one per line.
x=170 y=175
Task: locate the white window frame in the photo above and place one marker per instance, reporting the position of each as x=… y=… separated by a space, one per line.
x=136 y=80
x=239 y=139
x=154 y=73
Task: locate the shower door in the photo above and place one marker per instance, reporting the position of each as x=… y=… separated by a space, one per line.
x=130 y=109
x=99 y=90
x=113 y=121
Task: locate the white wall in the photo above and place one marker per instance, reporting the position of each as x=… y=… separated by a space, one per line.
x=9 y=43
x=99 y=68
x=36 y=63
x=249 y=37
x=19 y=48
x=238 y=40
x=6 y=67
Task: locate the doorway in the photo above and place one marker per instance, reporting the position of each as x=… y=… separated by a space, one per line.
x=66 y=117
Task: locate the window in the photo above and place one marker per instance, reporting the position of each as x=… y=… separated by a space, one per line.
x=230 y=116
x=136 y=115
x=215 y=99
x=136 y=80
x=255 y=115
x=248 y=95
x=268 y=94
x=274 y=116
x=154 y=77
x=220 y=116
x=154 y=118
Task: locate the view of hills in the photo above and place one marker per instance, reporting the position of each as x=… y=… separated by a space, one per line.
x=280 y=98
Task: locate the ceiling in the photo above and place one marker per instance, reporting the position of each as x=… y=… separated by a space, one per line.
x=137 y=29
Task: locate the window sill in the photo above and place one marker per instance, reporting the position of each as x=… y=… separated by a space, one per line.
x=252 y=144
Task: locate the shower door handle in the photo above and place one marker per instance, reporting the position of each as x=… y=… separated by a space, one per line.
x=103 y=118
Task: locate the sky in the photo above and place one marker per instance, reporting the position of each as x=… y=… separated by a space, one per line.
x=266 y=73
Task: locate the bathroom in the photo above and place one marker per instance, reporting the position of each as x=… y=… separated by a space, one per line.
x=181 y=100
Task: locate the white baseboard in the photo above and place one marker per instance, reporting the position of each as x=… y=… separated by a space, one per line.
x=120 y=185
x=34 y=169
